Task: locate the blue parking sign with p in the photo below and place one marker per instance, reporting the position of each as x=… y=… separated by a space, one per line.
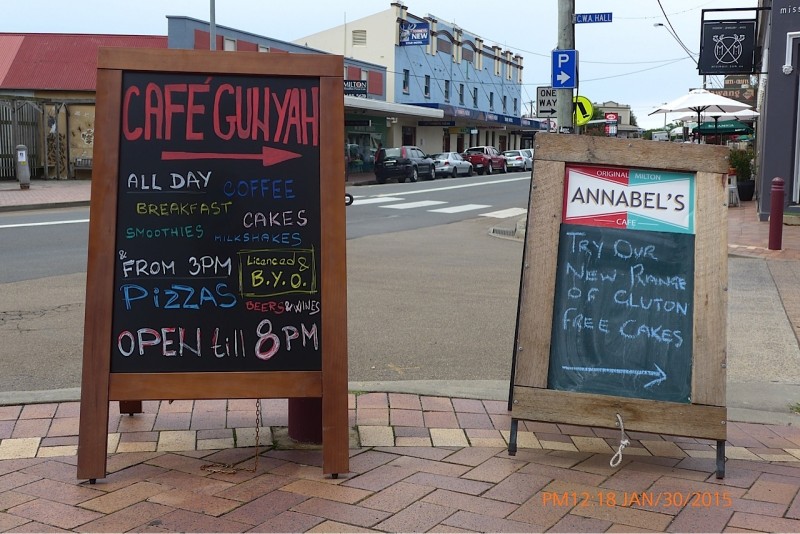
x=564 y=73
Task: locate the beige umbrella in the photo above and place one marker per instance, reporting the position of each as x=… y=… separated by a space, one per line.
x=701 y=101
x=744 y=115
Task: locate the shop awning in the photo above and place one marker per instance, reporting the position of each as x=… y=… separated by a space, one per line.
x=723 y=128
x=390 y=108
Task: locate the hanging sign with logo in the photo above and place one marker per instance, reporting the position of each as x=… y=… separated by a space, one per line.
x=727 y=47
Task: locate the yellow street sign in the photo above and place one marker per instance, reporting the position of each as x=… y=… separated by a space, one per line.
x=583 y=110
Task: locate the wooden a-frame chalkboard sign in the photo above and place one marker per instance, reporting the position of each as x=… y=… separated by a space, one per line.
x=623 y=294
x=216 y=264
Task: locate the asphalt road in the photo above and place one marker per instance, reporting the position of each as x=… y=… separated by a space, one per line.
x=433 y=303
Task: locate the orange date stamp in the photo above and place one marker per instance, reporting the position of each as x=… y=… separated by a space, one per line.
x=656 y=499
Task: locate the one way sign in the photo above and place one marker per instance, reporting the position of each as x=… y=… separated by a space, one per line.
x=545 y=101
x=565 y=69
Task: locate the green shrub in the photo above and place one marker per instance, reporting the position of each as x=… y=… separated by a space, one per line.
x=741 y=160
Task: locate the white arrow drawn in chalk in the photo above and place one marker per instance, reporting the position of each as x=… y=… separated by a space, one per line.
x=658 y=373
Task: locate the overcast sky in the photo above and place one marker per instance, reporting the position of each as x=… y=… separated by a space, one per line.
x=629 y=60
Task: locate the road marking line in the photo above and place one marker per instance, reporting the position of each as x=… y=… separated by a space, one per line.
x=460 y=186
x=459 y=209
x=505 y=214
x=378 y=200
x=51 y=223
x=420 y=204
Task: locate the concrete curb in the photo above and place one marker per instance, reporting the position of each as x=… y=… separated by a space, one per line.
x=45 y=206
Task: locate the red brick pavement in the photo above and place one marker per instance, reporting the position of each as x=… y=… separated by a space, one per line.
x=558 y=481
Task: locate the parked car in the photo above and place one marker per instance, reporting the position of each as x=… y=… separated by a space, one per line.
x=404 y=162
x=518 y=160
x=485 y=159
x=451 y=164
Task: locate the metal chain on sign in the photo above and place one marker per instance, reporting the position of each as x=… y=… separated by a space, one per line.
x=230 y=469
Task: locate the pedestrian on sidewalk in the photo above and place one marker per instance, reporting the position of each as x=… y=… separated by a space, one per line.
x=378 y=158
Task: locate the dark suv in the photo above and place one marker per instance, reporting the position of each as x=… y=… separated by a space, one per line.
x=405 y=162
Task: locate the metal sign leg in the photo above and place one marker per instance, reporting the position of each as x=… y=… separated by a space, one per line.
x=720 y=458
x=512 y=438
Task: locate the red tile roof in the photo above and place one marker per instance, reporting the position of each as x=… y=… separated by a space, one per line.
x=59 y=61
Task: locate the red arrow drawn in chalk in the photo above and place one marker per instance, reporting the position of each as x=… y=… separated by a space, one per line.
x=268 y=156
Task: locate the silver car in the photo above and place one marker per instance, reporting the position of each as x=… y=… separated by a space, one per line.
x=518 y=160
x=451 y=164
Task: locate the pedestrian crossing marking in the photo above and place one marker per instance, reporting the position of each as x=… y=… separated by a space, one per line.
x=462 y=208
x=420 y=204
x=504 y=214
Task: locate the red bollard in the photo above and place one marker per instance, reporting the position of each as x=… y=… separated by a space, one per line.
x=777 y=193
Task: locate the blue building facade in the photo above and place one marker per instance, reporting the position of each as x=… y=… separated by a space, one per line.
x=478 y=87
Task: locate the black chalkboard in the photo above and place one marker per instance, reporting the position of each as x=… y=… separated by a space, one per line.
x=622 y=317
x=218 y=224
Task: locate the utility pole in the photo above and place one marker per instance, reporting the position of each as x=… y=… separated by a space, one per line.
x=212 y=37
x=566 y=41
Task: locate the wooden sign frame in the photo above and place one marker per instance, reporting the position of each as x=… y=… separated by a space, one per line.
x=530 y=398
x=99 y=384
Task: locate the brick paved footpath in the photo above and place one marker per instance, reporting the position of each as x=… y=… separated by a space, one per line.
x=418 y=463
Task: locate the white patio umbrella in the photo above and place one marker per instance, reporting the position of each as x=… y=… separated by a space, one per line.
x=743 y=115
x=700 y=101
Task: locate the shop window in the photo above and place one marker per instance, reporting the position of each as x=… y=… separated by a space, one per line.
x=352 y=73
x=374 y=82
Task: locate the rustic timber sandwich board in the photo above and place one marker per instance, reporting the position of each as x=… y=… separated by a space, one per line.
x=622 y=308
